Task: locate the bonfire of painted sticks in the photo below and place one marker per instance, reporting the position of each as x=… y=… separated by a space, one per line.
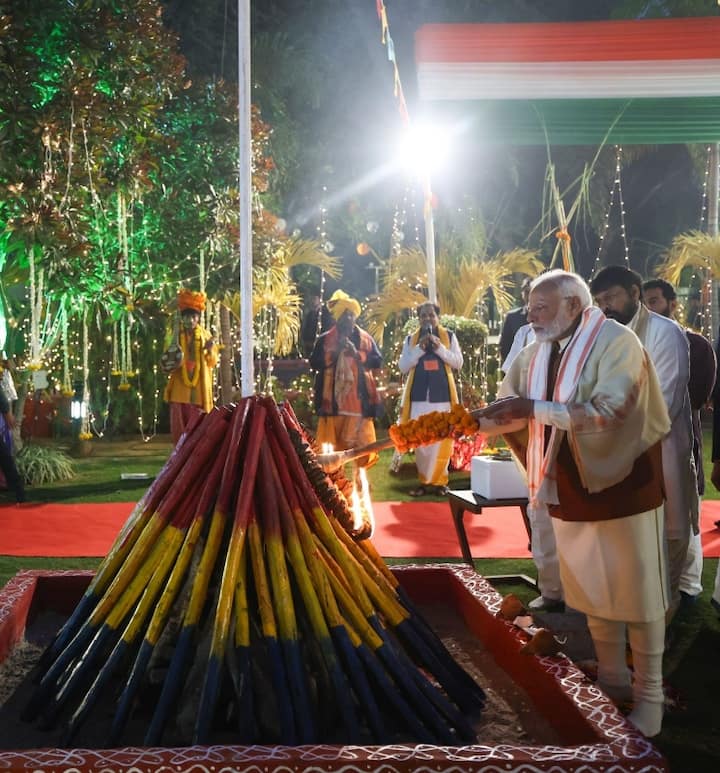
x=240 y=605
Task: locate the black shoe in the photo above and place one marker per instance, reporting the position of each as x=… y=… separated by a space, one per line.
x=20 y=496
x=687 y=600
x=420 y=491
x=543 y=604
x=715 y=606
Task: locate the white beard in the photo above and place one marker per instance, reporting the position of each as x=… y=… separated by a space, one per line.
x=555 y=330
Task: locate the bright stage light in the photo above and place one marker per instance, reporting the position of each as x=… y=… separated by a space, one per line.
x=424 y=148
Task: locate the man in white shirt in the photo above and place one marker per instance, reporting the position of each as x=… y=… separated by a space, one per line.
x=428 y=358
x=582 y=409
x=617 y=290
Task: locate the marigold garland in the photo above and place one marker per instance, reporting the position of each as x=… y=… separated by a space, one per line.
x=191 y=382
x=433 y=426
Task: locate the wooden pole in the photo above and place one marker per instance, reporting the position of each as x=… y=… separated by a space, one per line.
x=247 y=377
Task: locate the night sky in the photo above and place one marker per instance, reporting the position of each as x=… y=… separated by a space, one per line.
x=349 y=121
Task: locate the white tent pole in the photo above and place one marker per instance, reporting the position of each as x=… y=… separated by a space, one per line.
x=247 y=376
x=429 y=239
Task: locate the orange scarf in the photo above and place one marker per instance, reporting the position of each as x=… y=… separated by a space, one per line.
x=341 y=374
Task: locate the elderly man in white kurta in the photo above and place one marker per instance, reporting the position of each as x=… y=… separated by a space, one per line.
x=584 y=413
x=617 y=291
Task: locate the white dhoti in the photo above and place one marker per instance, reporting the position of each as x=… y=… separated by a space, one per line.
x=432 y=461
x=544 y=552
x=691 y=577
x=615 y=569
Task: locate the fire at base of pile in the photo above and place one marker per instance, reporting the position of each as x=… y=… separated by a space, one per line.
x=234 y=607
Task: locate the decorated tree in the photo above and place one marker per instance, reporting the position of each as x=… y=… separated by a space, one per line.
x=119 y=184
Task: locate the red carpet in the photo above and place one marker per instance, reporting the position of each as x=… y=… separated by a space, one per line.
x=404 y=530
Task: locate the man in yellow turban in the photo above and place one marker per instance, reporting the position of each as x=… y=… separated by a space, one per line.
x=346 y=397
x=190 y=362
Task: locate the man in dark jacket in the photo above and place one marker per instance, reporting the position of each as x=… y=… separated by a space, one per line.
x=514 y=320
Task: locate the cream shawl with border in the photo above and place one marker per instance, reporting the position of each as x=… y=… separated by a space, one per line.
x=615 y=413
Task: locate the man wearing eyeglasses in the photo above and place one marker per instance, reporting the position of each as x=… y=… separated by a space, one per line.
x=582 y=409
x=617 y=290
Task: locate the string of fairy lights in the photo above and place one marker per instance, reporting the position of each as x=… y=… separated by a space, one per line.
x=704 y=280
x=616 y=192
x=321 y=231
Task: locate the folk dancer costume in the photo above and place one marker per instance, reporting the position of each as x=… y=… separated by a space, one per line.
x=190 y=386
x=667 y=345
x=346 y=397
x=430 y=386
x=600 y=476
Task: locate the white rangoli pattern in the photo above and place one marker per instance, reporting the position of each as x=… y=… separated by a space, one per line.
x=620 y=748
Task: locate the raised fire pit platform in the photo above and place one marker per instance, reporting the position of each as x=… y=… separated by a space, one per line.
x=594 y=734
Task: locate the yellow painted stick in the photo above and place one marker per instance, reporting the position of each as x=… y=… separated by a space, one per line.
x=351 y=610
x=242 y=610
x=268 y=623
x=243 y=510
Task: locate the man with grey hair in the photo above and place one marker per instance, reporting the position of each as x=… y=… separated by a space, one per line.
x=582 y=409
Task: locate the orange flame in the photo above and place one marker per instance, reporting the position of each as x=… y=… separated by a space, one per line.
x=361 y=504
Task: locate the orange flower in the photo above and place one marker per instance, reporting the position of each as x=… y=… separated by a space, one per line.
x=432 y=427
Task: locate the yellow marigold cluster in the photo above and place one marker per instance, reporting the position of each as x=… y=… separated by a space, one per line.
x=433 y=426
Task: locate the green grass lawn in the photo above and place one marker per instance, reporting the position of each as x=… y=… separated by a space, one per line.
x=690 y=731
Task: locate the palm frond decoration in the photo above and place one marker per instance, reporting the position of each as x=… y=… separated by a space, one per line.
x=283 y=307
x=408 y=266
x=393 y=303
x=275 y=296
x=693 y=249
x=463 y=281
x=274 y=292
x=307 y=252
x=473 y=280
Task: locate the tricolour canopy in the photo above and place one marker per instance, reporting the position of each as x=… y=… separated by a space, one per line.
x=644 y=81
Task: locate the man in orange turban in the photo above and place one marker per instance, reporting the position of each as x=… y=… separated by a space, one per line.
x=346 y=397
x=189 y=362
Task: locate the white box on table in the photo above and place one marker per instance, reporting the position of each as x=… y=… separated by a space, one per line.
x=497 y=478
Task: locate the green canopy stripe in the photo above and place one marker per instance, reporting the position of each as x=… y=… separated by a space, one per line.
x=586 y=121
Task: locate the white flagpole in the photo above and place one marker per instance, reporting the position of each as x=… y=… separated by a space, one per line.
x=247 y=376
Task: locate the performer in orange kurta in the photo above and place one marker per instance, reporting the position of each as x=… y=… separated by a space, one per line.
x=190 y=365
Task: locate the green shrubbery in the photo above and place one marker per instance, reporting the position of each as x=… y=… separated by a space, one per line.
x=41 y=464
